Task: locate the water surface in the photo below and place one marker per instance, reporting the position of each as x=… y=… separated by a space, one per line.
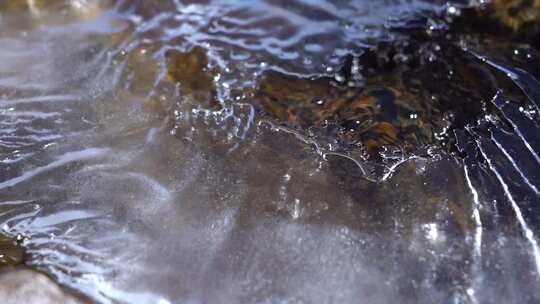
x=130 y=188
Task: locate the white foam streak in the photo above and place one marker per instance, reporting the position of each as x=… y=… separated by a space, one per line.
x=60 y=161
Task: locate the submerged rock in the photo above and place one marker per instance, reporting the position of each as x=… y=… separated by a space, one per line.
x=374 y=115
x=408 y=92
x=37 y=7
x=515 y=14
x=25 y=5
x=11 y=251
x=26 y=286
x=192 y=72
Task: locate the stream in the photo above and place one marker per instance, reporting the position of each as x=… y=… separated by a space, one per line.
x=190 y=151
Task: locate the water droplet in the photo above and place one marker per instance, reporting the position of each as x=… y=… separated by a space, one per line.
x=339 y=78
x=318 y=101
x=296 y=209
x=452 y=10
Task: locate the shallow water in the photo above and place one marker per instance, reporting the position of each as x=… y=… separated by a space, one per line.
x=130 y=189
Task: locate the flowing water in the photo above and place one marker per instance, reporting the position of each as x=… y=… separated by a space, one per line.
x=143 y=160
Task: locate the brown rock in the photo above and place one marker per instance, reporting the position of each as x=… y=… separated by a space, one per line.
x=515 y=13
x=192 y=72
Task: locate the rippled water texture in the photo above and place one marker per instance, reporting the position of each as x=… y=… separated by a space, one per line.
x=138 y=165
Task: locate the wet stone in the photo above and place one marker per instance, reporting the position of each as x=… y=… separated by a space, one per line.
x=38 y=7
x=515 y=14
x=394 y=107
x=192 y=72
x=26 y=286
x=11 y=251
x=24 y=5
x=404 y=93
